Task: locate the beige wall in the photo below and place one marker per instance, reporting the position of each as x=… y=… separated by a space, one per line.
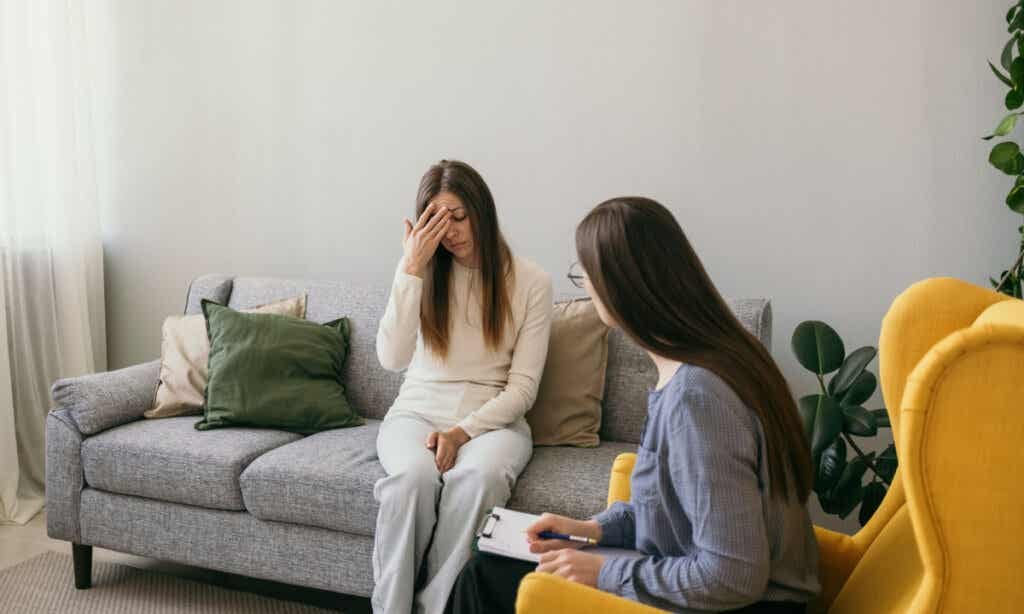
x=822 y=154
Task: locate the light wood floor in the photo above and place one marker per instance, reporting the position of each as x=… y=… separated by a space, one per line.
x=20 y=543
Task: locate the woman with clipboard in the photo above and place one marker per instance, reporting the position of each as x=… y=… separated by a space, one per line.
x=717 y=511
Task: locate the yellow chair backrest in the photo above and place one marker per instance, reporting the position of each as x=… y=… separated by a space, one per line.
x=947 y=538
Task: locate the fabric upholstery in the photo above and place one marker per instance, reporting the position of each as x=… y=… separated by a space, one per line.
x=103 y=400
x=567 y=410
x=323 y=480
x=216 y=288
x=171 y=461
x=184 y=354
x=565 y=480
x=542 y=593
x=234 y=542
x=64 y=478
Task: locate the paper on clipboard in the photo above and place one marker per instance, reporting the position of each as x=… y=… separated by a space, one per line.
x=503 y=532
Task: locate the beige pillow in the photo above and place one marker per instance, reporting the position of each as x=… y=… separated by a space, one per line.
x=568 y=407
x=184 y=353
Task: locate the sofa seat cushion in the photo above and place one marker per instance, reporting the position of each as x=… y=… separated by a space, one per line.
x=169 y=460
x=568 y=481
x=325 y=480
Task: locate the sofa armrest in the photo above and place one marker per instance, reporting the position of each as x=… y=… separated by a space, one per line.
x=541 y=593
x=64 y=477
x=104 y=400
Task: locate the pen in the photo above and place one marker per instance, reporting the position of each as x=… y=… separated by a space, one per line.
x=571 y=538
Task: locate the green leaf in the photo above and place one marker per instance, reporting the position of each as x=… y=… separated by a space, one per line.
x=1002 y=77
x=1004 y=156
x=830 y=467
x=1013 y=100
x=852 y=367
x=1009 y=14
x=818 y=347
x=861 y=390
x=1017 y=22
x=886 y=463
x=1006 y=126
x=822 y=419
x=859 y=421
x=1017 y=70
x=881 y=417
x=849 y=492
x=873 y=495
x=1006 y=57
x=1015 y=199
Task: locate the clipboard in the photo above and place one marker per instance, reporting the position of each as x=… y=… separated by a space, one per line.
x=503 y=532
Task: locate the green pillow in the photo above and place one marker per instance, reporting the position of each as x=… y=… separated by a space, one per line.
x=275 y=371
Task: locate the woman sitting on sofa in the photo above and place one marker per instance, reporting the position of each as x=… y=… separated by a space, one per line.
x=470 y=323
x=717 y=507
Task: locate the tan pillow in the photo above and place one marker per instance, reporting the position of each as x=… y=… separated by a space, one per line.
x=568 y=407
x=184 y=353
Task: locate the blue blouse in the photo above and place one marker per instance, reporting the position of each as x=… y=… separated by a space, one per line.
x=701 y=511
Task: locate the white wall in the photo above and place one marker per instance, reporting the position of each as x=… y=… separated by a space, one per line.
x=822 y=154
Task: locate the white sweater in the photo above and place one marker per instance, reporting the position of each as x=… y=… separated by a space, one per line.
x=476 y=388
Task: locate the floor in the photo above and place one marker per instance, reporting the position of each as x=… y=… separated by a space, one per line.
x=20 y=543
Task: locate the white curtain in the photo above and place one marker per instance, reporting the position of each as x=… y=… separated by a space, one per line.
x=51 y=260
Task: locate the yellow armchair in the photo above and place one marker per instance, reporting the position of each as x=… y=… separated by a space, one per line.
x=949 y=535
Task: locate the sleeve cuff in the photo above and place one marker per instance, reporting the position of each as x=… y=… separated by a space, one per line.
x=611 y=521
x=471 y=426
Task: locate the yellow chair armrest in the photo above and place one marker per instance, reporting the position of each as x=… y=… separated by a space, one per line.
x=544 y=593
x=838 y=554
x=618 y=484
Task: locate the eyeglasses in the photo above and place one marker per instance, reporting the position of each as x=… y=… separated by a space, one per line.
x=576 y=275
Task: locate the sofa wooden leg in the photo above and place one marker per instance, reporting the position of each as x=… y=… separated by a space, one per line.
x=83 y=565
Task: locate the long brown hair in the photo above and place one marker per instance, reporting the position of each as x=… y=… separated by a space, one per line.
x=495 y=257
x=652 y=283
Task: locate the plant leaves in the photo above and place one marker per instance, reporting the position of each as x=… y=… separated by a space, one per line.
x=1006 y=126
x=887 y=463
x=1003 y=78
x=1010 y=13
x=849 y=492
x=830 y=467
x=822 y=419
x=873 y=495
x=818 y=347
x=852 y=367
x=881 y=417
x=1017 y=70
x=1015 y=199
x=1017 y=22
x=861 y=390
x=1013 y=99
x=1004 y=156
x=1006 y=57
x=859 y=421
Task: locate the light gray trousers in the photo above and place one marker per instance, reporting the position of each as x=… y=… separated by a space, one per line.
x=417 y=502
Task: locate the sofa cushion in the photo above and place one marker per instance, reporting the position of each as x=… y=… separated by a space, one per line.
x=568 y=481
x=170 y=460
x=325 y=480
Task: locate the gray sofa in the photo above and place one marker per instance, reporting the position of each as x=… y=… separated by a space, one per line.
x=277 y=505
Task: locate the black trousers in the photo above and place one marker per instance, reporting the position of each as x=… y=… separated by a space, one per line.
x=488 y=585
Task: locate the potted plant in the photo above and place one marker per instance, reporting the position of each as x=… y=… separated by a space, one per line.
x=835 y=416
